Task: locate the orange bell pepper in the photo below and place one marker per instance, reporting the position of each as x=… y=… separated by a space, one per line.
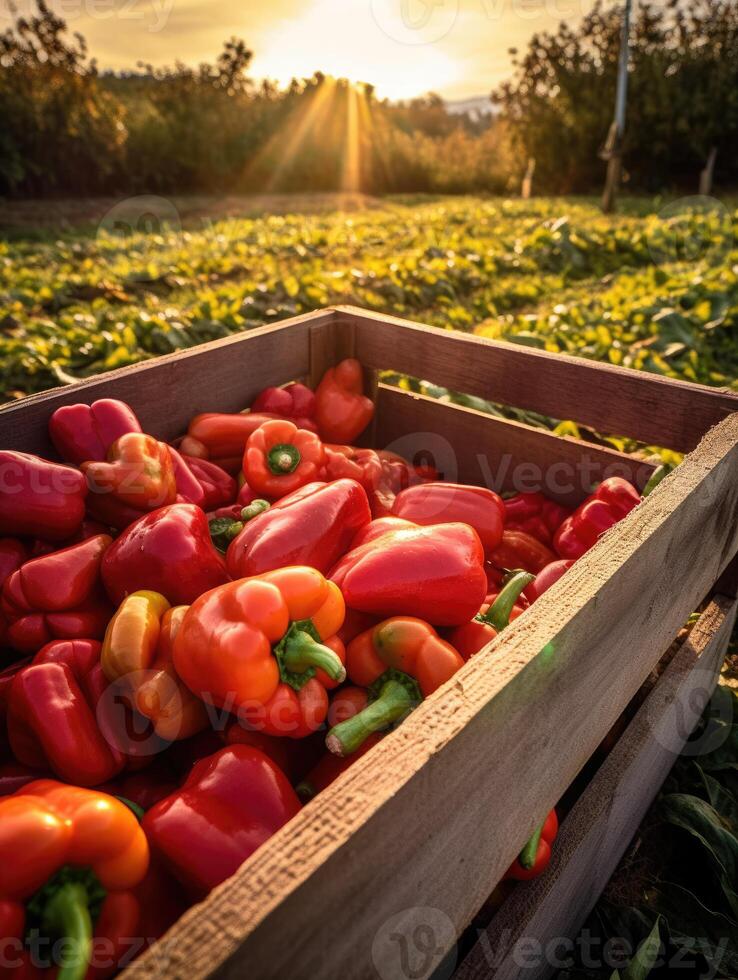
x=400 y=662
x=138 y=647
x=265 y=648
x=280 y=458
x=342 y=410
x=68 y=855
x=138 y=477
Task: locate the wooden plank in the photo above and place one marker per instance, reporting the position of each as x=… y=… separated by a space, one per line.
x=470 y=447
x=420 y=829
x=537 y=919
x=656 y=410
x=166 y=392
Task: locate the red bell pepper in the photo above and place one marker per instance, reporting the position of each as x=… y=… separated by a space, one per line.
x=295 y=402
x=265 y=648
x=280 y=458
x=400 y=661
x=435 y=573
x=535 y=514
x=57 y=596
x=222 y=437
x=146 y=787
x=69 y=856
x=314 y=526
x=168 y=551
x=548 y=575
x=330 y=767
x=342 y=411
x=444 y=503
x=40 y=498
x=493 y=617
x=536 y=855
x=613 y=500
x=12 y=555
x=518 y=549
x=86 y=432
x=201 y=482
x=137 y=477
x=52 y=714
x=230 y=804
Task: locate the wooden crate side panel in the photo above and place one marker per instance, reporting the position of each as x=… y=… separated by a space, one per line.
x=470 y=447
x=541 y=915
x=222 y=376
x=433 y=816
x=656 y=410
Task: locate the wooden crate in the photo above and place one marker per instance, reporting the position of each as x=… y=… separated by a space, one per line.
x=417 y=833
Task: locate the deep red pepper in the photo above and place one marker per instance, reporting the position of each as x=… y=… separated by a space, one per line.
x=548 y=575
x=168 y=551
x=313 y=526
x=613 y=500
x=230 y=804
x=535 y=514
x=330 y=767
x=201 y=482
x=521 y=550
x=52 y=721
x=85 y=432
x=12 y=555
x=39 y=498
x=57 y=596
x=295 y=402
x=536 y=855
x=444 y=503
x=492 y=618
x=435 y=573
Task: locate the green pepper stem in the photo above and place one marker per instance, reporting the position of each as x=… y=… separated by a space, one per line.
x=394 y=701
x=67 y=915
x=498 y=614
x=253 y=509
x=656 y=477
x=529 y=853
x=283 y=458
x=301 y=652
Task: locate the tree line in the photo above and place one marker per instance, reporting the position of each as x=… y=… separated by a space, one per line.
x=69 y=128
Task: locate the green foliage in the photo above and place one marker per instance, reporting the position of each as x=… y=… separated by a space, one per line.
x=554 y=274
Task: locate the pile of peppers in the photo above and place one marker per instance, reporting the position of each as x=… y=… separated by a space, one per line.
x=198 y=637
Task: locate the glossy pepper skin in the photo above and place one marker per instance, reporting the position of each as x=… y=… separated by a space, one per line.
x=518 y=549
x=348 y=462
x=53 y=720
x=39 y=498
x=231 y=803
x=313 y=526
x=613 y=500
x=280 y=458
x=342 y=411
x=400 y=661
x=445 y=503
x=85 y=432
x=13 y=554
x=295 y=402
x=222 y=437
x=536 y=855
x=535 y=514
x=137 y=477
x=83 y=853
x=548 y=575
x=265 y=648
x=168 y=551
x=57 y=596
x=138 y=648
x=492 y=618
x=435 y=573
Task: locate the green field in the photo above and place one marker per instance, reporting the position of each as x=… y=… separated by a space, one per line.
x=655 y=288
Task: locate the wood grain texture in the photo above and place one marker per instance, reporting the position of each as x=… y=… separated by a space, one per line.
x=470 y=447
x=541 y=915
x=432 y=817
x=656 y=410
x=221 y=376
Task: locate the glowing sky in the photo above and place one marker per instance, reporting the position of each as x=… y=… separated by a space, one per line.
x=458 y=48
